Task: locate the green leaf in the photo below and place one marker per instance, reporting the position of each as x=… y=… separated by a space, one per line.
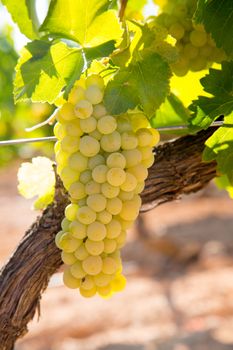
x=44 y=69
x=217 y=17
x=223 y=183
x=97 y=52
x=144 y=82
x=23 y=14
x=171 y=112
x=219 y=147
x=37 y=179
x=219 y=84
x=89 y=22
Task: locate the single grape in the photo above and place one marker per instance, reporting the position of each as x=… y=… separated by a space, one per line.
x=107 y=124
x=83 y=109
x=89 y=146
x=96 y=231
x=70 y=281
x=92 y=265
x=86 y=215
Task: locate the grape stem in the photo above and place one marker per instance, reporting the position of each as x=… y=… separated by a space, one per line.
x=122 y=9
x=178 y=169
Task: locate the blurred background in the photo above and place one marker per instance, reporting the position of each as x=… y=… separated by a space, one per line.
x=178 y=258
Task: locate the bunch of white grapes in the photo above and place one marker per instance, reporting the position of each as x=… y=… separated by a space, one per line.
x=196 y=48
x=102 y=161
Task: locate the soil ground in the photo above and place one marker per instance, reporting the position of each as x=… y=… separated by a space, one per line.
x=179 y=266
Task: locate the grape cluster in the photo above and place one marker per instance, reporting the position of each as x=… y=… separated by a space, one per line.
x=196 y=48
x=102 y=161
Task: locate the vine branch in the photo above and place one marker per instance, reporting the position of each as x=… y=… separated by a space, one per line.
x=178 y=169
x=122 y=8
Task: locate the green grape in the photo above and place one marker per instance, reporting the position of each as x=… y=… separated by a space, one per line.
x=86 y=215
x=78 y=162
x=59 y=131
x=97 y=202
x=88 y=283
x=96 y=135
x=123 y=124
x=109 y=266
x=146 y=152
x=93 y=94
x=85 y=176
x=70 y=281
x=109 y=191
x=190 y=51
x=89 y=146
x=198 y=38
x=113 y=229
x=120 y=240
x=102 y=279
x=111 y=142
x=126 y=196
x=95 y=79
x=67 y=112
x=68 y=258
x=77 y=229
x=67 y=243
x=128 y=140
x=88 y=125
x=116 y=176
x=109 y=245
x=132 y=157
x=77 y=270
x=99 y=111
x=77 y=190
x=92 y=187
x=106 y=125
x=104 y=291
x=65 y=224
x=144 y=137
x=92 y=265
x=96 y=160
x=87 y=293
x=116 y=160
x=114 y=206
x=177 y=30
x=130 y=210
x=83 y=109
x=94 y=248
x=119 y=283
x=99 y=173
x=73 y=128
x=102 y=161
x=130 y=183
x=139 y=171
x=70 y=144
x=96 y=231
x=76 y=94
x=81 y=253
x=71 y=212
x=104 y=217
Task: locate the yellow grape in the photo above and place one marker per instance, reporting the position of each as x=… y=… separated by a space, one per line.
x=70 y=281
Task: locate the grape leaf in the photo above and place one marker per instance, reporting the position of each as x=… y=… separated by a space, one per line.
x=219 y=83
x=22 y=14
x=217 y=17
x=171 y=112
x=37 y=179
x=89 y=22
x=44 y=69
x=219 y=147
x=223 y=183
x=144 y=82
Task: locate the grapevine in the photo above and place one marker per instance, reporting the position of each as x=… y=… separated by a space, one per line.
x=102 y=160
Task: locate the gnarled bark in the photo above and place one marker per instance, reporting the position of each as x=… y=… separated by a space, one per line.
x=177 y=170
